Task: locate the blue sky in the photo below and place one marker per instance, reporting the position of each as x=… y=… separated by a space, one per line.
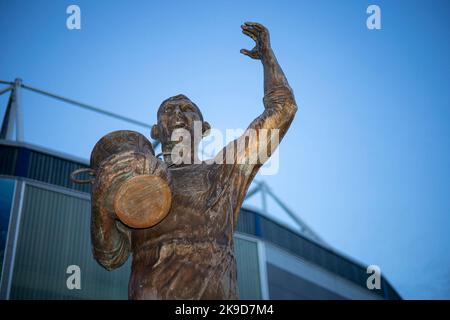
x=366 y=161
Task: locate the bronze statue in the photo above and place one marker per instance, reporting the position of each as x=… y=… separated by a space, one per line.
x=188 y=252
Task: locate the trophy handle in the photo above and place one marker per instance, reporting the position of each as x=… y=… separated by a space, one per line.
x=89 y=171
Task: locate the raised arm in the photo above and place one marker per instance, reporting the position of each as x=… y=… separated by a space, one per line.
x=273 y=75
x=262 y=136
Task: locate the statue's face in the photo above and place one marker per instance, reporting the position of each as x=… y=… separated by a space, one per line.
x=174 y=113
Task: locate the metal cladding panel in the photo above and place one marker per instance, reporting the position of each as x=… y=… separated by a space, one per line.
x=24 y=162
x=286 y=286
x=54 y=234
x=246 y=222
x=247 y=269
x=54 y=170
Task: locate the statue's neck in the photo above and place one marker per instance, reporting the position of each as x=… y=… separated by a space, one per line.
x=179 y=154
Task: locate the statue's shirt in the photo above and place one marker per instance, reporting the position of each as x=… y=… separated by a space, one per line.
x=190 y=253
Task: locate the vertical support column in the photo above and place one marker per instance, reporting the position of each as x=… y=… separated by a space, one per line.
x=18 y=109
x=7 y=123
x=263 y=190
x=13 y=115
x=258 y=227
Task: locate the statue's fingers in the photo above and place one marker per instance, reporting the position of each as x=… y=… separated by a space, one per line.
x=252 y=54
x=245 y=51
x=255 y=25
x=250 y=34
x=250 y=29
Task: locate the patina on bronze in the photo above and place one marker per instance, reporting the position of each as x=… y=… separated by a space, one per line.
x=190 y=253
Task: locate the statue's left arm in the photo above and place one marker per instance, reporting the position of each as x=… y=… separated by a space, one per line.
x=263 y=135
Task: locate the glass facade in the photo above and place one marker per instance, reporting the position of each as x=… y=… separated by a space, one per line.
x=6 y=198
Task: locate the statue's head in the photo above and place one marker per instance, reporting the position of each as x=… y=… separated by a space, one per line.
x=174 y=113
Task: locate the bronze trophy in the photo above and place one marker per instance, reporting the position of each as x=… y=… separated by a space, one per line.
x=126 y=174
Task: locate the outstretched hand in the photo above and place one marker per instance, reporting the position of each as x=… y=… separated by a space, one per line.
x=260 y=34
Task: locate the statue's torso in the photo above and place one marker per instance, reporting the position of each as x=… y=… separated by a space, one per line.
x=190 y=253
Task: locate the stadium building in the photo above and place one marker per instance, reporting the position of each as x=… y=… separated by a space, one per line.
x=45 y=228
